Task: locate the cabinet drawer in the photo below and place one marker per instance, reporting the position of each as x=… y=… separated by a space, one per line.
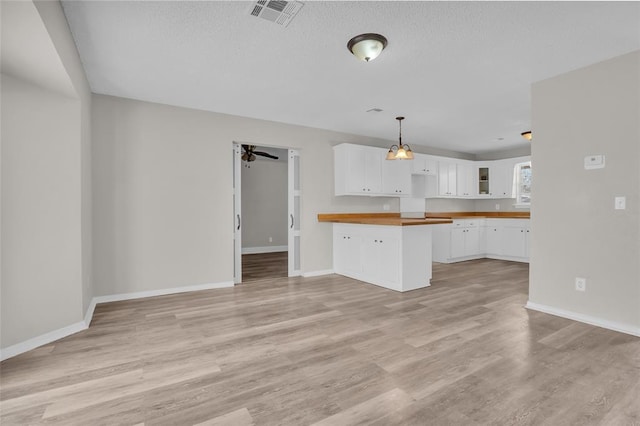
x=465 y=223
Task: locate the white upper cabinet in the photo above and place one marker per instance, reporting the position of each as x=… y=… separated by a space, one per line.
x=501 y=179
x=424 y=165
x=358 y=169
x=396 y=177
x=363 y=170
x=466 y=180
x=447 y=178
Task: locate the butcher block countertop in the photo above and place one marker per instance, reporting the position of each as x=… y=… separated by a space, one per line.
x=389 y=219
x=394 y=219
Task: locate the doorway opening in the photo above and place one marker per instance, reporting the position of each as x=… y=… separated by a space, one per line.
x=266 y=211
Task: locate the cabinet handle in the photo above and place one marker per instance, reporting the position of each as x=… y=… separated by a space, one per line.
x=238 y=221
x=291 y=221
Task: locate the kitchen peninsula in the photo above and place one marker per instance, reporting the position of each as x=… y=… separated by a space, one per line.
x=383 y=248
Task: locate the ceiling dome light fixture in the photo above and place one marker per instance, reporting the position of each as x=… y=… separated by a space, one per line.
x=402 y=152
x=526 y=135
x=367 y=47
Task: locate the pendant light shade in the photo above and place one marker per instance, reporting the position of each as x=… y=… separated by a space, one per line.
x=400 y=151
x=526 y=135
x=367 y=47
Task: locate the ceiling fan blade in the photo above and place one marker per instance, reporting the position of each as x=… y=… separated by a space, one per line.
x=245 y=156
x=265 y=154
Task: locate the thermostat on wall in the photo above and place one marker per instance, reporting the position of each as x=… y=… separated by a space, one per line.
x=594 y=162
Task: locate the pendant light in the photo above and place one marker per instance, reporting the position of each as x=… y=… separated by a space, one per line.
x=526 y=135
x=367 y=47
x=402 y=152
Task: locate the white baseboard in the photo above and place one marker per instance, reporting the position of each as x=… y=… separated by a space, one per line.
x=89 y=314
x=160 y=292
x=54 y=335
x=41 y=340
x=267 y=249
x=509 y=258
x=317 y=273
x=598 y=322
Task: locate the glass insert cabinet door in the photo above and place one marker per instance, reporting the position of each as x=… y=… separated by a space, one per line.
x=483 y=180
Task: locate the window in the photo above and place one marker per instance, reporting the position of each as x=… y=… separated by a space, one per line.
x=522 y=184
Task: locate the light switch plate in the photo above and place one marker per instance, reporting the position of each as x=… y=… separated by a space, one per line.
x=620 y=203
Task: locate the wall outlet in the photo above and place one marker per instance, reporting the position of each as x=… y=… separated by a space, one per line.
x=620 y=203
x=581 y=284
x=497 y=206
x=386 y=207
x=270 y=239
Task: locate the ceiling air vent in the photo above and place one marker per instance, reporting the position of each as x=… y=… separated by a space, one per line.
x=278 y=11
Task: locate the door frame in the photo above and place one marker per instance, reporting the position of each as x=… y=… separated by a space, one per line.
x=293 y=217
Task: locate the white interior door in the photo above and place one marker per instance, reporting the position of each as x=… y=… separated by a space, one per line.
x=237 y=213
x=294 y=212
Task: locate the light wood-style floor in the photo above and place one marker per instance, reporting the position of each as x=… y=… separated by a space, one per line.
x=332 y=351
x=264 y=265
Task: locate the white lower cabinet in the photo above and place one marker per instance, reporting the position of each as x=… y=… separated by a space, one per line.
x=466 y=239
x=394 y=257
x=508 y=239
x=493 y=238
x=346 y=252
x=515 y=240
x=457 y=241
x=381 y=258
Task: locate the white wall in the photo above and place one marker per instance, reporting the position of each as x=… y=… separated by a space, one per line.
x=506 y=205
x=434 y=205
x=41 y=249
x=264 y=203
x=575 y=230
x=46 y=241
x=163 y=214
x=58 y=30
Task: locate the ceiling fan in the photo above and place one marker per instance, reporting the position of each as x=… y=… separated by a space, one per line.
x=250 y=153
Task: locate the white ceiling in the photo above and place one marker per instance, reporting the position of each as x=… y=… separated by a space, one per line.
x=460 y=72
